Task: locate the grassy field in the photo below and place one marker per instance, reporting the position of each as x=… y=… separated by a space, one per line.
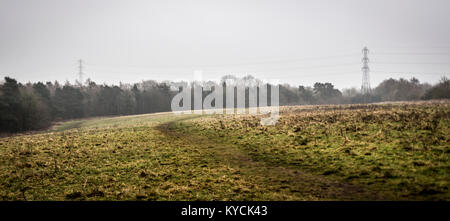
x=396 y=151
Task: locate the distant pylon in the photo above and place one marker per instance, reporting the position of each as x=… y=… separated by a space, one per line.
x=365 y=87
x=80 y=71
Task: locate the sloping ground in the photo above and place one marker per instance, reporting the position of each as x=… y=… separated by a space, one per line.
x=141 y=158
x=400 y=150
x=174 y=157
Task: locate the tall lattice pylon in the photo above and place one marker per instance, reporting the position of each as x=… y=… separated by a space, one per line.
x=365 y=87
x=80 y=71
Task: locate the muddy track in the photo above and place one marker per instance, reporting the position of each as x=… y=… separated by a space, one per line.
x=307 y=185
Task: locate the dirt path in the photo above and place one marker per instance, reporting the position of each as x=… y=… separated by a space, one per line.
x=276 y=178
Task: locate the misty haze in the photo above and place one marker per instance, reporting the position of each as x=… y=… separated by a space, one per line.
x=289 y=100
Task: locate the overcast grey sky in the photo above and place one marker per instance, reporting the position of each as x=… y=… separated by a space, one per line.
x=295 y=41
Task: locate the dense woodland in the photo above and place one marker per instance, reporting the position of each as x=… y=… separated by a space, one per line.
x=35 y=106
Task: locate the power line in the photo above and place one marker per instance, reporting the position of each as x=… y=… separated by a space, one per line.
x=288 y=66
x=435 y=47
x=416 y=63
x=411 y=53
x=407 y=72
x=276 y=61
x=272 y=62
x=249 y=69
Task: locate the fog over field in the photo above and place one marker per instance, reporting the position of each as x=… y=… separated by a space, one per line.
x=297 y=42
x=225 y=108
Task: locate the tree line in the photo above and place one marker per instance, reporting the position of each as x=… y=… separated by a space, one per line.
x=34 y=106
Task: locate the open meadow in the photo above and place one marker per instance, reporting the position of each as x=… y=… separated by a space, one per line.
x=388 y=151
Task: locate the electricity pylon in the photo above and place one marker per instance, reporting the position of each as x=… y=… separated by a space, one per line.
x=365 y=87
